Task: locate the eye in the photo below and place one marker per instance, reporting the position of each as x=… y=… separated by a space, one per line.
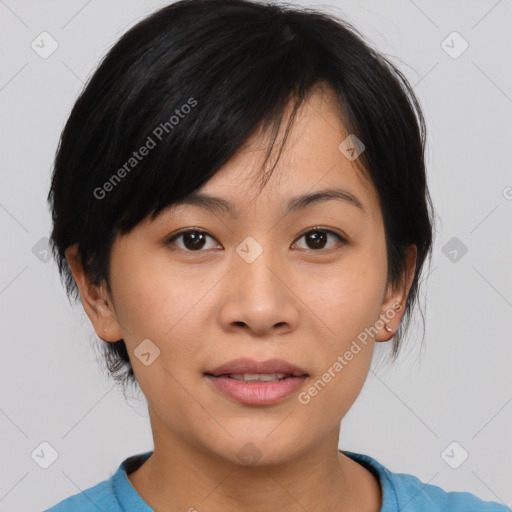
x=193 y=239
x=317 y=237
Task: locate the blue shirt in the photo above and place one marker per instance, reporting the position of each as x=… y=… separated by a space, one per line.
x=400 y=492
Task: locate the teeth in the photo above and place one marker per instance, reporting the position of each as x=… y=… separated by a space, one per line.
x=264 y=377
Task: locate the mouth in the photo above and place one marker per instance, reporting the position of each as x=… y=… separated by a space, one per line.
x=257 y=377
x=251 y=370
x=256 y=383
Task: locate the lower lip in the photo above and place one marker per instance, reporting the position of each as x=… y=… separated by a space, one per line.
x=256 y=393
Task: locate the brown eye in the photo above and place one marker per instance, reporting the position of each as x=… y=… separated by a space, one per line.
x=193 y=240
x=316 y=239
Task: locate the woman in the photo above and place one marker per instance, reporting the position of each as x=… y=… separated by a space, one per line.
x=243 y=288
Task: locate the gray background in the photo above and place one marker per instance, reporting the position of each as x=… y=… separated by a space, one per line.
x=458 y=388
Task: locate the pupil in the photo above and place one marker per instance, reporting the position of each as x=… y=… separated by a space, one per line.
x=191 y=236
x=315 y=236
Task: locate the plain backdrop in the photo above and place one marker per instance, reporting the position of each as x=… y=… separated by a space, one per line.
x=451 y=397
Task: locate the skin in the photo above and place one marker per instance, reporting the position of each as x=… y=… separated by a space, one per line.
x=295 y=301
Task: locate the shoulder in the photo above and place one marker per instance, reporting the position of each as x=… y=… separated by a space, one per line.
x=114 y=494
x=100 y=496
x=402 y=491
x=422 y=497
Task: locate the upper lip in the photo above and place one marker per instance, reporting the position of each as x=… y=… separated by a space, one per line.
x=246 y=365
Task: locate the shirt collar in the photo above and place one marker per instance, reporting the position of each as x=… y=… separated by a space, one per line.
x=127 y=496
x=130 y=499
x=389 y=497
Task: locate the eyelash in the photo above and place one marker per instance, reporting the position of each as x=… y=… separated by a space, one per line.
x=317 y=229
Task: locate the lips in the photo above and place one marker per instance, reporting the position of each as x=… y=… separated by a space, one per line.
x=256 y=383
x=251 y=366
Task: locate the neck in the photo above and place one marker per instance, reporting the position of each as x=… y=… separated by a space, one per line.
x=180 y=476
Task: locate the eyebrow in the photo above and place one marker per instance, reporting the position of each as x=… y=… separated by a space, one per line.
x=294 y=204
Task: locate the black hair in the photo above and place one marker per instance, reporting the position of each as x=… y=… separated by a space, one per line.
x=191 y=83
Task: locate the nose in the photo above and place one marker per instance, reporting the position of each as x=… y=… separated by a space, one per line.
x=259 y=297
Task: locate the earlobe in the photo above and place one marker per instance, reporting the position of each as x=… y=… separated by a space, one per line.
x=393 y=307
x=390 y=317
x=95 y=299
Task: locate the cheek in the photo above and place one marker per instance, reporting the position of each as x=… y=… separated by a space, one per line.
x=151 y=296
x=156 y=301
x=349 y=305
x=159 y=303
x=348 y=299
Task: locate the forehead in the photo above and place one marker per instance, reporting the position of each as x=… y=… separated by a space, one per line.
x=312 y=160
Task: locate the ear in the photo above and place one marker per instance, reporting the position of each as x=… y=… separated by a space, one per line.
x=393 y=307
x=96 y=300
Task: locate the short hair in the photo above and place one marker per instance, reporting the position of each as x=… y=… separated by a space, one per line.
x=198 y=78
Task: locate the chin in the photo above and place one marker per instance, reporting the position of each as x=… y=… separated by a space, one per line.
x=259 y=451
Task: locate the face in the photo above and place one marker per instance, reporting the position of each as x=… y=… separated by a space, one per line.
x=304 y=285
